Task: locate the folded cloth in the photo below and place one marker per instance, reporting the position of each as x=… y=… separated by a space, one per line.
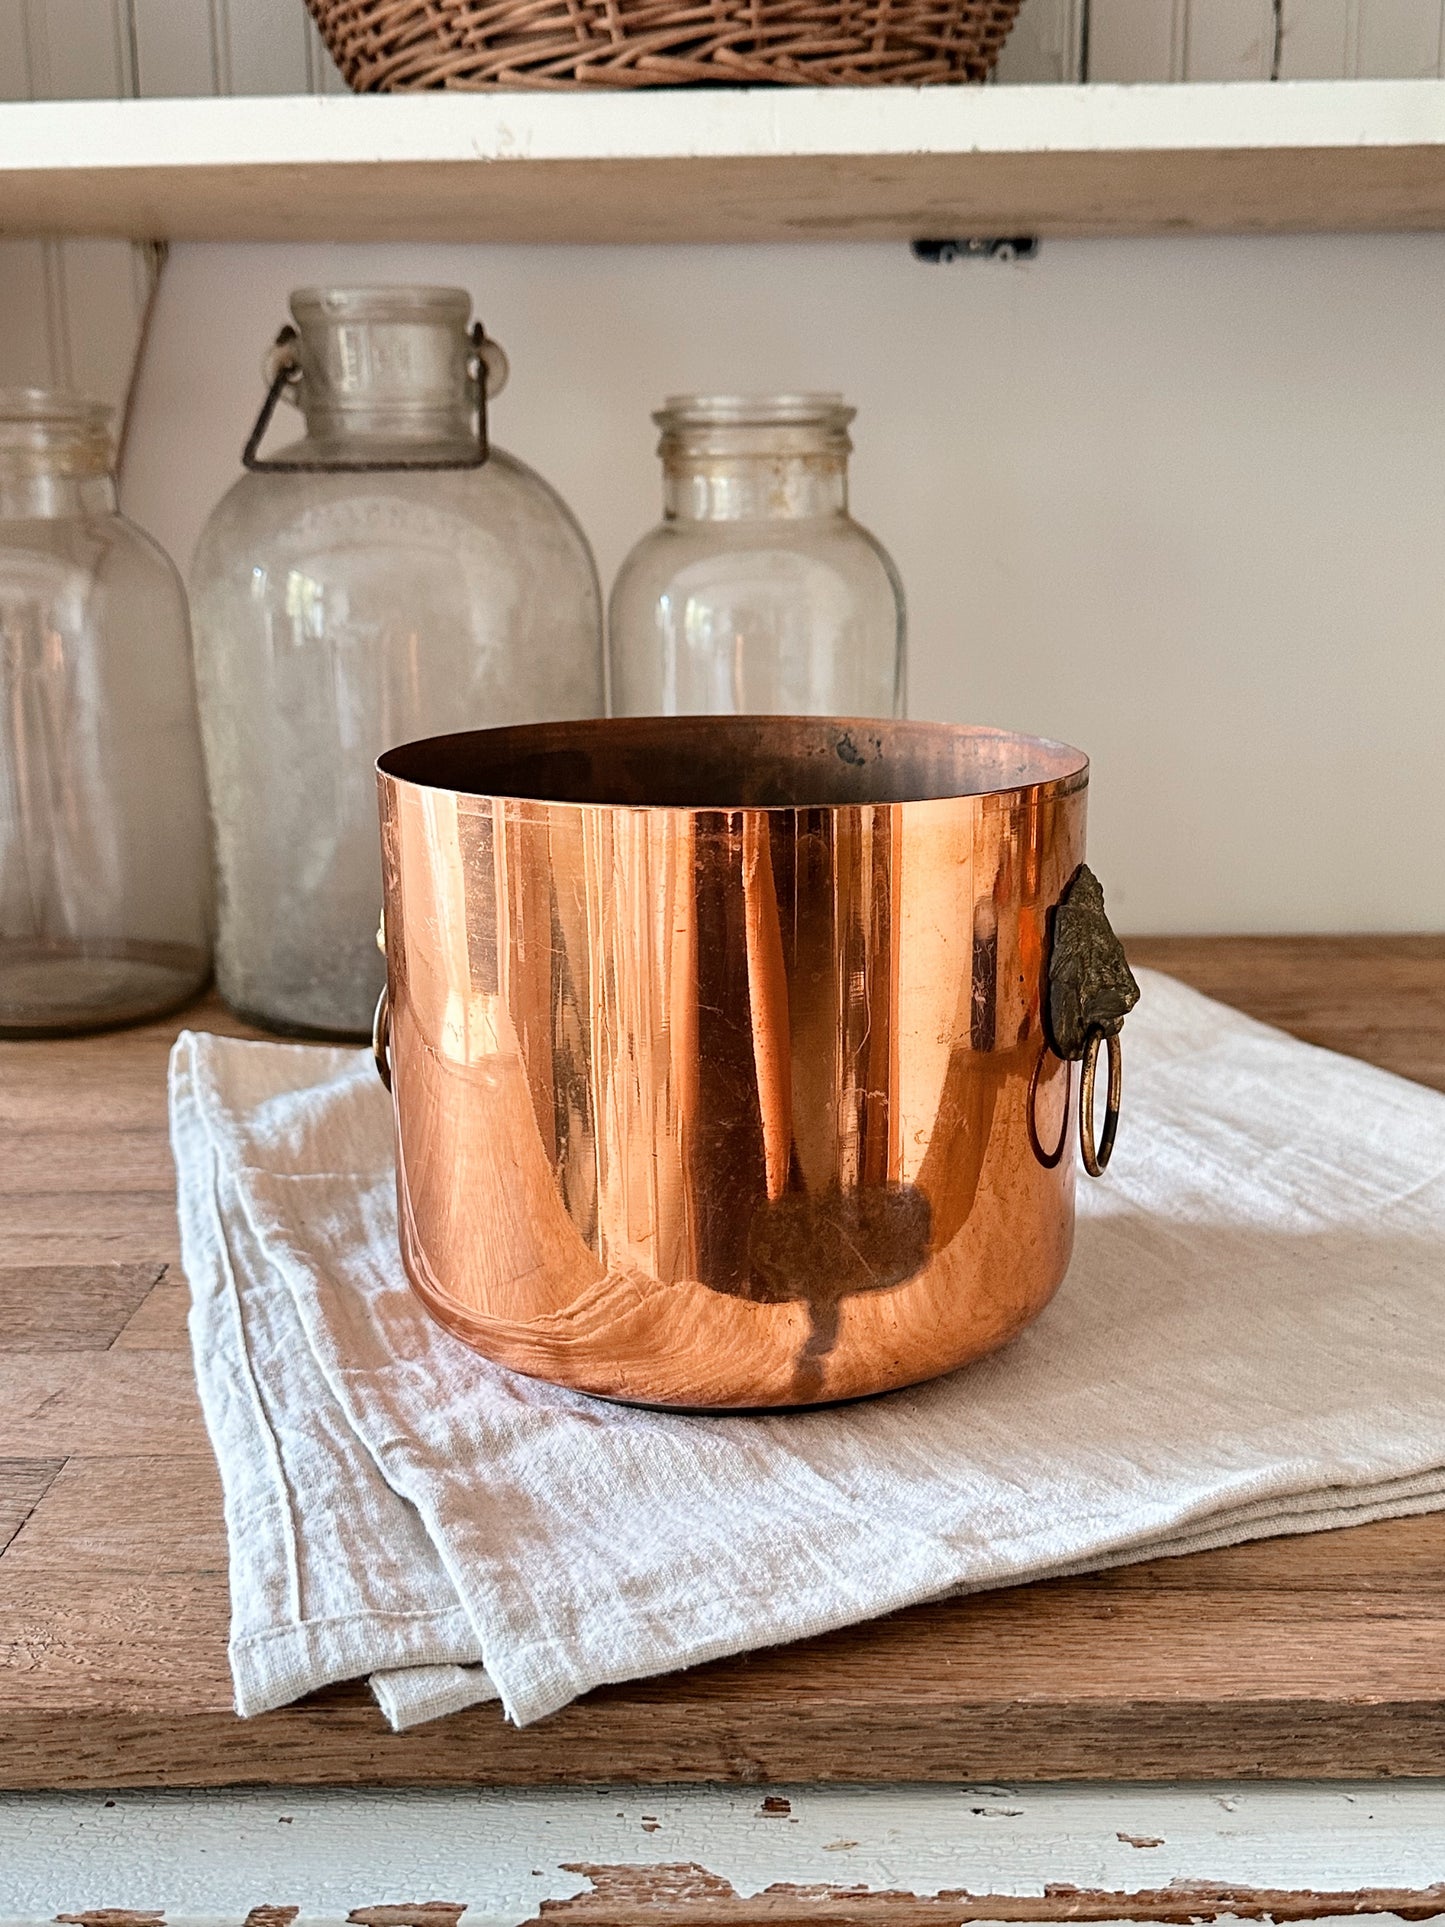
x=1248 y=1342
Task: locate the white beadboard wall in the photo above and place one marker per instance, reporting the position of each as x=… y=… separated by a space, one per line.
x=1179 y=501
x=72 y=312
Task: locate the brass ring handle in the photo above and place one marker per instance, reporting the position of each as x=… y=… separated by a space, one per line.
x=381 y=1037
x=1048 y=1159
x=1096 y=1157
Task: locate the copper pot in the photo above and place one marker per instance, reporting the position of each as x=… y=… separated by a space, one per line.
x=732 y=1057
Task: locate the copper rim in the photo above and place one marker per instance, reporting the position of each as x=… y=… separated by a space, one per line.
x=826 y=761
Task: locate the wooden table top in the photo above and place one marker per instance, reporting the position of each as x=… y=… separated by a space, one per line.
x=1315 y=1656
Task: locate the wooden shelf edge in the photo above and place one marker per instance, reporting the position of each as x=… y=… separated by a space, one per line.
x=682 y=123
x=733 y=164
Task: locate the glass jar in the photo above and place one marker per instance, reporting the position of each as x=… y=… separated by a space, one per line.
x=105 y=875
x=383 y=578
x=758 y=592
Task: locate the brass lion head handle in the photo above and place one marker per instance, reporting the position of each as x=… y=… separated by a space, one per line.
x=1091 y=990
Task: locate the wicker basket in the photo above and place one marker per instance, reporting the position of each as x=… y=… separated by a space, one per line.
x=395 y=45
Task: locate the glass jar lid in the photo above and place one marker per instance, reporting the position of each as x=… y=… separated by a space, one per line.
x=399 y=302
x=398 y=350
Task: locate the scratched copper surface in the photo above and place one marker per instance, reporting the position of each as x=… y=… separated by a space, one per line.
x=717 y=1048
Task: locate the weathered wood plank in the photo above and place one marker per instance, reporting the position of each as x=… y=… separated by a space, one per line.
x=1380 y=998
x=53 y=1404
x=114 y=1082
x=686 y=1894
x=86 y=1177
x=159 y=1322
x=1076 y=1673
x=70 y=1308
x=814 y=1853
x=23 y=1484
x=1065 y=1653
x=120 y=1229
x=120 y=1518
x=160 y=1660
x=337 y=1739
x=1393 y=1556
x=50 y=1159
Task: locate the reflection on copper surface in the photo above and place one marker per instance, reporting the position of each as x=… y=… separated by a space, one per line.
x=717 y=1048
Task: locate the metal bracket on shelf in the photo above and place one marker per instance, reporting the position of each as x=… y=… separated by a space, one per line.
x=978 y=247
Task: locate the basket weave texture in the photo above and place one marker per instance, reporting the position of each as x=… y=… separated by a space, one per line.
x=401 y=45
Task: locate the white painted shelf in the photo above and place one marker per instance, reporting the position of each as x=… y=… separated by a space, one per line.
x=733 y=165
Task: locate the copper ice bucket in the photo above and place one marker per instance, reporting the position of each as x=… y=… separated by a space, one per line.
x=732 y=1058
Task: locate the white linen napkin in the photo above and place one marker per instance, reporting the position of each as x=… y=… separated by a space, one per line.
x=1248 y=1342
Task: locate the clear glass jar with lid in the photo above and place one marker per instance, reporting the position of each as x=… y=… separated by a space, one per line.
x=388 y=576
x=758 y=592
x=105 y=869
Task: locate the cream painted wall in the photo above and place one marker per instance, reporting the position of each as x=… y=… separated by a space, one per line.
x=1179 y=502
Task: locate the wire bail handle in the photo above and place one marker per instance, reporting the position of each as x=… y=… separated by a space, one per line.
x=486 y=366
